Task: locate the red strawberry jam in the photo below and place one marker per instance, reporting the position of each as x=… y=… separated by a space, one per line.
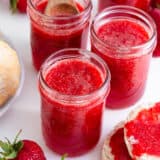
x=50 y=33
x=123 y=33
x=118 y=146
x=75 y=99
x=74 y=77
x=126 y=43
x=128 y=74
x=145 y=128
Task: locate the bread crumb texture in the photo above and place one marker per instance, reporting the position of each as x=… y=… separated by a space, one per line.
x=9 y=72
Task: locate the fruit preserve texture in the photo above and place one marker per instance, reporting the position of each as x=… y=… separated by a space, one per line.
x=118 y=146
x=128 y=70
x=46 y=39
x=147 y=122
x=72 y=127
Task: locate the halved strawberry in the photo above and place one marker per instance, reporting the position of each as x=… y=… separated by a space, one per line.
x=21 y=150
x=20 y=5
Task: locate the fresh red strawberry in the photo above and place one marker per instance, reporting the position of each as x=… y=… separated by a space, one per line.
x=142 y=4
x=21 y=150
x=155 y=13
x=19 y=5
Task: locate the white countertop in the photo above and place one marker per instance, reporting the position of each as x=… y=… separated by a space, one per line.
x=25 y=111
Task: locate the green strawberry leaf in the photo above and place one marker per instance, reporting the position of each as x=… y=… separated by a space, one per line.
x=16 y=138
x=10 y=150
x=1 y=153
x=18 y=146
x=8 y=140
x=12 y=155
x=4 y=146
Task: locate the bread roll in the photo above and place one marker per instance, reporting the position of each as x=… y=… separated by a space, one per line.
x=9 y=72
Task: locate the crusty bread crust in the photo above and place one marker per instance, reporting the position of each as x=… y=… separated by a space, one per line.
x=9 y=72
x=131 y=140
x=106 y=150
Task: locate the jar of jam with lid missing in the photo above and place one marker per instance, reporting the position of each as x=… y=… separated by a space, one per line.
x=125 y=37
x=52 y=33
x=73 y=84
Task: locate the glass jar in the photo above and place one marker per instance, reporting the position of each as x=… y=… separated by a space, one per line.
x=72 y=116
x=129 y=60
x=52 y=33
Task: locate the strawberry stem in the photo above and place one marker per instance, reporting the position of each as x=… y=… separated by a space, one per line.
x=10 y=150
x=13 y=5
x=16 y=138
x=64 y=156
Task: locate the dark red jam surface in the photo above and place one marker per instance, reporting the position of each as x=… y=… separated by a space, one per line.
x=74 y=77
x=118 y=146
x=122 y=33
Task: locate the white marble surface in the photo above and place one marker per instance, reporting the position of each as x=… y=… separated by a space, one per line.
x=25 y=111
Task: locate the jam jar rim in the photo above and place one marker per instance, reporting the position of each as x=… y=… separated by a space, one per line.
x=143 y=15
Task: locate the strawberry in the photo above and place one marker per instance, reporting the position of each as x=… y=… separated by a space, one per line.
x=21 y=150
x=142 y=4
x=155 y=13
x=20 y=5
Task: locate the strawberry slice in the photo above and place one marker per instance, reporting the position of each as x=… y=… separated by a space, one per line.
x=155 y=13
x=20 y=5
